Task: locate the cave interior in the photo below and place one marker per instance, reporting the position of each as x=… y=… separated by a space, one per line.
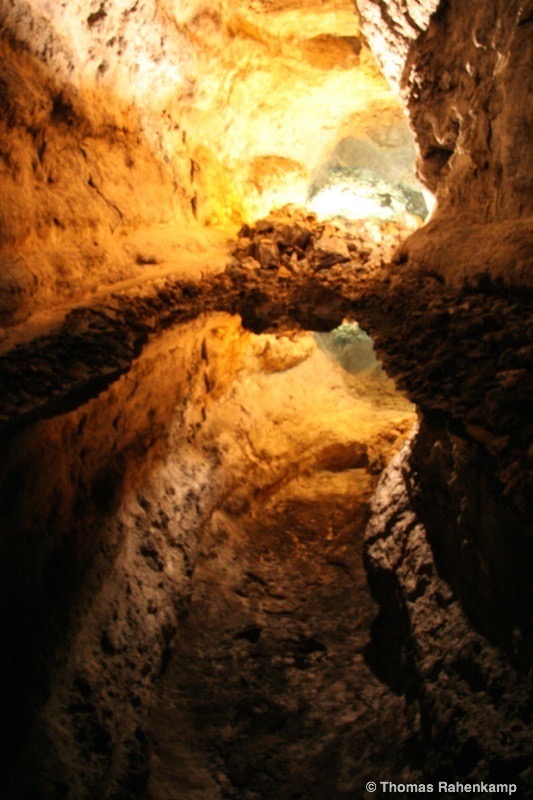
x=265 y=407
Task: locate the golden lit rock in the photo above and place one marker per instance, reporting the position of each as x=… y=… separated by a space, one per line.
x=218 y=112
x=226 y=567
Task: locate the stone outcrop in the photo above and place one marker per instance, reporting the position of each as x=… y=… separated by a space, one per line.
x=462 y=356
x=465 y=78
x=392 y=28
x=453 y=509
x=472 y=700
x=288 y=271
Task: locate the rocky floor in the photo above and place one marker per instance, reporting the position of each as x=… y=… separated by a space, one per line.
x=268 y=694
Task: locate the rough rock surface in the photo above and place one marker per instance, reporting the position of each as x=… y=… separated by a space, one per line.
x=475 y=707
x=143 y=468
x=480 y=335
x=465 y=77
x=102 y=510
x=95 y=344
x=472 y=453
x=86 y=408
x=71 y=184
x=257 y=701
x=391 y=28
x=125 y=128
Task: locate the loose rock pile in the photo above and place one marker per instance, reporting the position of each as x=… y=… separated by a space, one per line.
x=293 y=243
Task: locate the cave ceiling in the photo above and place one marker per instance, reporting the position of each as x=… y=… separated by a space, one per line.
x=127 y=124
x=242 y=88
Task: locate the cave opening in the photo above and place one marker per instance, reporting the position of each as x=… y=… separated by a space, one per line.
x=232 y=565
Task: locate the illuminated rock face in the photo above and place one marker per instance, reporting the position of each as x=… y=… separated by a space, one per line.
x=128 y=127
x=239 y=81
x=464 y=77
x=219 y=113
x=133 y=137
x=391 y=28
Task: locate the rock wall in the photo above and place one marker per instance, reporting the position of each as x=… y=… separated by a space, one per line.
x=71 y=181
x=73 y=156
x=464 y=76
x=427 y=561
x=450 y=531
x=102 y=510
x=462 y=73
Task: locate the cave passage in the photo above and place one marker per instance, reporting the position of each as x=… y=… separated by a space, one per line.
x=231 y=565
x=267 y=692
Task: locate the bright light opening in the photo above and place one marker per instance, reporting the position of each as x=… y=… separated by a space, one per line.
x=345 y=203
x=360 y=194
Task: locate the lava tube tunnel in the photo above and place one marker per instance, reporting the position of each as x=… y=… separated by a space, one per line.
x=265 y=399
